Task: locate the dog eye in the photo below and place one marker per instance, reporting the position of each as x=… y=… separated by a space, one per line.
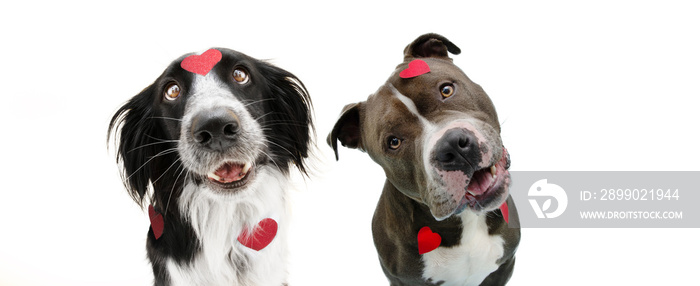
x=394 y=143
x=447 y=90
x=172 y=92
x=240 y=76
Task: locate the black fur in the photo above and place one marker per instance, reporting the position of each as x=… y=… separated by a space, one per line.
x=146 y=130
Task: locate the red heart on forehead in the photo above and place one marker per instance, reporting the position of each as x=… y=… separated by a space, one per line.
x=262 y=235
x=156 y=222
x=201 y=64
x=415 y=68
x=428 y=240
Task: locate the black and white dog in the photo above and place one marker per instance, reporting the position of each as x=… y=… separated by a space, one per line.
x=209 y=144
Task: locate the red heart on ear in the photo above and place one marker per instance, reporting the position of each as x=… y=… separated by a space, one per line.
x=262 y=235
x=156 y=222
x=428 y=240
x=201 y=64
x=415 y=68
x=504 y=211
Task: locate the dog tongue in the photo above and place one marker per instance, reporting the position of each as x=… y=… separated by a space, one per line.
x=230 y=172
x=480 y=182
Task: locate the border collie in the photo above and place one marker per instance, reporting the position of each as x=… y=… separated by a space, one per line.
x=209 y=146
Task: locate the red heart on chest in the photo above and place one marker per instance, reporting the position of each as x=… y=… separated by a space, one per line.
x=156 y=222
x=415 y=68
x=261 y=236
x=201 y=64
x=428 y=240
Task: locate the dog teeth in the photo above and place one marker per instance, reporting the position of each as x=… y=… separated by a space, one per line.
x=471 y=193
x=213 y=176
x=493 y=171
x=246 y=168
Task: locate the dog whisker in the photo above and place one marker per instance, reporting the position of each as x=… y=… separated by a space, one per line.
x=271 y=160
x=278 y=145
x=167 y=204
x=286 y=123
x=166 y=171
x=154 y=143
x=165 y=117
x=164 y=152
x=158 y=139
x=167 y=151
x=261 y=116
x=246 y=104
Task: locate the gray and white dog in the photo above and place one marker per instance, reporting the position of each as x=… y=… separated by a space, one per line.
x=445 y=216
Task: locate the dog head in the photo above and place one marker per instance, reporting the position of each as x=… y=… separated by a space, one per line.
x=435 y=133
x=215 y=119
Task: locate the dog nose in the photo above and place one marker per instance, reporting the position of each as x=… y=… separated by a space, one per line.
x=458 y=149
x=215 y=129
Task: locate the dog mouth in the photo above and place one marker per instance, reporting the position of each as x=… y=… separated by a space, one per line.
x=488 y=184
x=231 y=175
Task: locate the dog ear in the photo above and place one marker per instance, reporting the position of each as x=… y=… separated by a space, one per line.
x=290 y=120
x=430 y=46
x=347 y=129
x=137 y=143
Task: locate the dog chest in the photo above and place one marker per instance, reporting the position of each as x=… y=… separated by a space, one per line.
x=469 y=262
x=228 y=254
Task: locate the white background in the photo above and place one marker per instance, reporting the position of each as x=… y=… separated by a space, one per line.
x=599 y=85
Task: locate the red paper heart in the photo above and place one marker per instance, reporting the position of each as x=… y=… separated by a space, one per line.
x=262 y=235
x=428 y=240
x=504 y=211
x=201 y=64
x=415 y=68
x=156 y=222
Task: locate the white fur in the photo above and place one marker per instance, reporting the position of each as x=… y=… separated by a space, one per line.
x=218 y=221
x=469 y=262
x=218 y=218
x=208 y=93
x=411 y=106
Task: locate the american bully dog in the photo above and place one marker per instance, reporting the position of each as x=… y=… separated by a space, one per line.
x=445 y=216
